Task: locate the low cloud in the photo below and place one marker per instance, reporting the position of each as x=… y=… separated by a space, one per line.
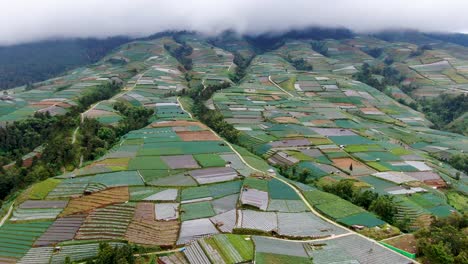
x=30 y=20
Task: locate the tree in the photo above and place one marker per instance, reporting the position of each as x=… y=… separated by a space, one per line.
x=385 y=207
x=304 y=175
x=445 y=240
x=365 y=198
x=459 y=162
x=343 y=188
x=435 y=253
x=119 y=254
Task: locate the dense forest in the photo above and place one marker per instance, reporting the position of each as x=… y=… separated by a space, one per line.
x=28 y=63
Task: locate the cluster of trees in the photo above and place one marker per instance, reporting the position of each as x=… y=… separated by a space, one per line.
x=382 y=205
x=107 y=254
x=135 y=117
x=213 y=118
x=420 y=50
x=374 y=52
x=242 y=62
x=96 y=138
x=444 y=109
x=391 y=76
x=21 y=137
x=181 y=50
x=459 y=162
x=292 y=173
x=102 y=92
x=320 y=47
x=51 y=132
x=300 y=64
x=28 y=63
x=445 y=241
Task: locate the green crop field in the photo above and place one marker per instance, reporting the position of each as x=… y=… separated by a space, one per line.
x=209 y=160
x=40 y=190
x=264 y=258
x=196 y=210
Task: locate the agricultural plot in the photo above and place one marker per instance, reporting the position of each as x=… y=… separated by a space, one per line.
x=40 y=190
x=196 y=210
x=41 y=255
x=332 y=205
x=194 y=229
x=195 y=254
x=227 y=248
x=212 y=175
x=109 y=222
x=17 y=239
x=95 y=200
x=62 y=229
x=280 y=247
x=152 y=194
x=145 y=230
x=264 y=221
x=287 y=206
x=352 y=248
x=254 y=198
x=36 y=210
x=225 y=221
x=305 y=225
x=166 y=211
x=225 y=203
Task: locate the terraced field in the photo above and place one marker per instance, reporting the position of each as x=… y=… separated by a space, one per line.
x=177 y=184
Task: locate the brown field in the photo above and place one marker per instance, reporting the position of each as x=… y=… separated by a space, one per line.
x=95 y=200
x=405 y=242
x=180 y=123
x=286 y=120
x=4 y=260
x=197 y=135
x=321 y=121
x=436 y=183
x=145 y=230
x=358 y=167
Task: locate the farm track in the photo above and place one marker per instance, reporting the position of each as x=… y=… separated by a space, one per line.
x=10 y=210
x=286 y=92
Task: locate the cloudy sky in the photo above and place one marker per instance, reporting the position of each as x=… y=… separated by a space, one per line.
x=30 y=20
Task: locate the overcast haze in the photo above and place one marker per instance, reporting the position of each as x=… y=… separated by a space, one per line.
x=29 y=20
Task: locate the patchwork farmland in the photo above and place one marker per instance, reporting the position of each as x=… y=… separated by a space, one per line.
x=178 y=187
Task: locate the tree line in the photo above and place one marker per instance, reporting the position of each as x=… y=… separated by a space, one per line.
x=212 y=118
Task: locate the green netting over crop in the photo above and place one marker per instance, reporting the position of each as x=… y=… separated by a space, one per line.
x=365 y=219
x=442 y=211
x=147 y=163
x=280 y=190
x=350 y=140
x=196 y=210
x=210 y=160
x=224 y=189
x=183 y=148
x=121 y=178
x=195 y=193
